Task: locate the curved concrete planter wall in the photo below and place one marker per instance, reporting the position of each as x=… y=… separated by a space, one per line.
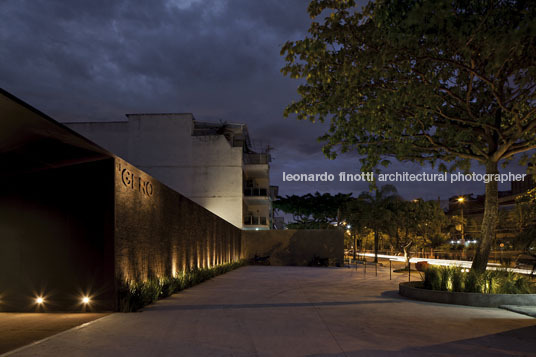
x=412 y=291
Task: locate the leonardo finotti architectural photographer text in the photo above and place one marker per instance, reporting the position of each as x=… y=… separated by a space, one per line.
x=403 y=177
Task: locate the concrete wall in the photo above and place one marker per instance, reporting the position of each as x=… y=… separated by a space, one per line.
x=159 y=232
x=74 y=218
x=294 y=246
x=206 y=169
x=56 y=237
x=76 y=230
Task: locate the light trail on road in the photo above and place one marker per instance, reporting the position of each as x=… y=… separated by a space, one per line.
x=448 y=262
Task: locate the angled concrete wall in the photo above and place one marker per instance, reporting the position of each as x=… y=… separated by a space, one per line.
x=82 y=229
x=159 y=232
x=294 y=246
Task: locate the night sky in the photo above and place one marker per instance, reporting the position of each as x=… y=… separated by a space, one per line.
x=99 y=59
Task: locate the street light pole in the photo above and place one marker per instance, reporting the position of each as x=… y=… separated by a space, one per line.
x=461 y=200
x=353 y=237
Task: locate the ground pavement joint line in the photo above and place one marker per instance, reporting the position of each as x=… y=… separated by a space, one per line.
x=38 y=342
x=317 y=311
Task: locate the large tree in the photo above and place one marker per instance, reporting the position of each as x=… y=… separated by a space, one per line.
x=430 y=222
x=444 y=82
x=376 y=211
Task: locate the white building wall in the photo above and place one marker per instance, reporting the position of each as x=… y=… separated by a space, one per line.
x=113 y=136
x=206 y=169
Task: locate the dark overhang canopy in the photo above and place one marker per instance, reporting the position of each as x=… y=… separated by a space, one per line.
x=31 y=140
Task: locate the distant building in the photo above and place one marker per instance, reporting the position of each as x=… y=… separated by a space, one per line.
x=473 y=207
x=213 y=164
x=519 y=187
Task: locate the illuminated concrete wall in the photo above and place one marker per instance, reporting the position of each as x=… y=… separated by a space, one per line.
x=74 y=231
x=56 y=237
x=294 y=246
x=159 y=232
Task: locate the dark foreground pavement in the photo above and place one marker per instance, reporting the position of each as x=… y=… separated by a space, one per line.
x=19 y=329
x=295 y=311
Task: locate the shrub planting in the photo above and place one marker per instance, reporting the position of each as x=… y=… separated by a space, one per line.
x=135 y=295
x=458 y=279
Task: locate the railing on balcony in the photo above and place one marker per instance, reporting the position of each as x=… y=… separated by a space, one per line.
x=256 y=159
x=255 y=221
x=255 y=192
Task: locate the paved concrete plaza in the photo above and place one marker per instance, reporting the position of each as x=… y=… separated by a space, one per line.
x=297 y=311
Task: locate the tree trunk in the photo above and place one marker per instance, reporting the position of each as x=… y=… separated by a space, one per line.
x=489 y=222
x=355 y=245
x=376 y=241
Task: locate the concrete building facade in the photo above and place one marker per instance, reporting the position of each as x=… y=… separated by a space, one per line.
x=77 y=221
x=213 y=164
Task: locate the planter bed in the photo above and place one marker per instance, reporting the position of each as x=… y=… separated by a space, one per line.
x=414 y=290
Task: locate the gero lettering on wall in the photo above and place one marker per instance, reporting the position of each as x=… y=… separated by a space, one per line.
x=134 y=182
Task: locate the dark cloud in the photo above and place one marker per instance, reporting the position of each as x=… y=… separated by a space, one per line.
x=99 y=59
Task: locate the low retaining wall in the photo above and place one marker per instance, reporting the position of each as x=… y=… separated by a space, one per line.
x=413 y=291
x=294 y=246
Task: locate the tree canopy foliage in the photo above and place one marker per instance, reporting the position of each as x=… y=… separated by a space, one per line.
x=405 y=223
x=313 y=211
x=381 y=212
x=430 y=81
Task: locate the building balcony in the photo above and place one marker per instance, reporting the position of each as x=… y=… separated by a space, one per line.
x=255 y=221
x=256 y=159
x=256 y=192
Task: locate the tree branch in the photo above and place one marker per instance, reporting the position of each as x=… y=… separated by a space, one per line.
x=475 y=73
x=517 y=150
x=435 y=145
